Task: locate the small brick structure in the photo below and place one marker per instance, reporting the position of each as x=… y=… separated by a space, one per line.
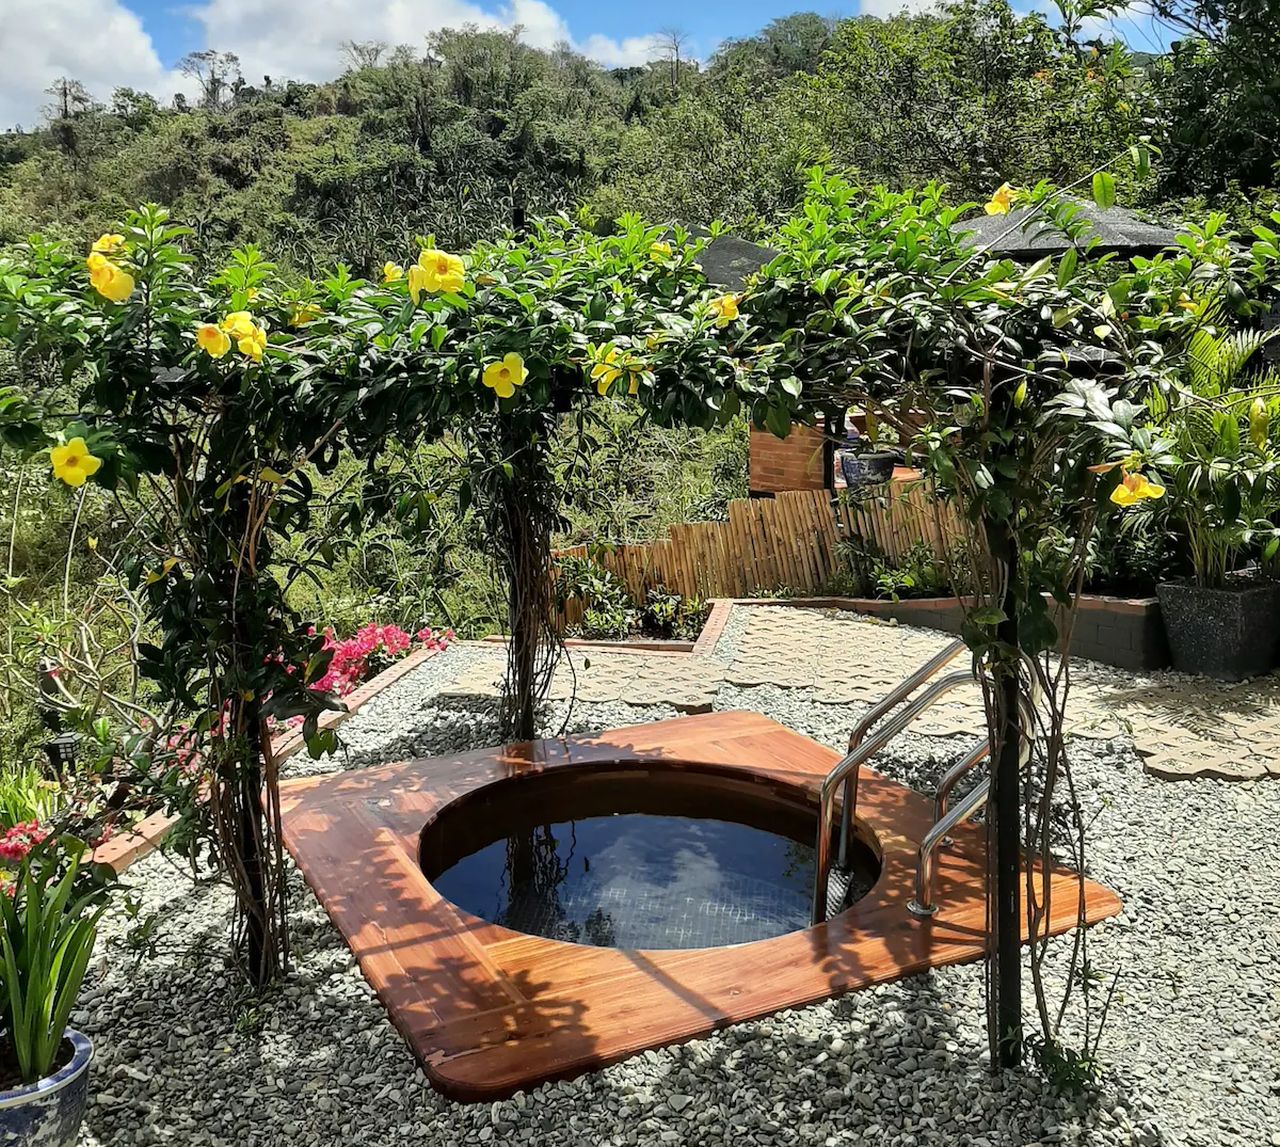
x=1125 y=632
x=801 y=461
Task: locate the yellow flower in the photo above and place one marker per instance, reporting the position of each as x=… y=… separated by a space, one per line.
x=725 y=308
x=212 y=339
x=91 y=542
x=392 y=272
x=606 y=371
x=659 y=251
x=253 y=344
x=251 y=293
x=1135 y=488
x=304 y=313
x=417 y=282
x=95 y=260
x=250 y=338
x=110 y=281
x=108 y=244
x=1259 y=423
x=1001 y=200
x=73 y=463
x=239 y=324
x=505 y=375
x=443 y=272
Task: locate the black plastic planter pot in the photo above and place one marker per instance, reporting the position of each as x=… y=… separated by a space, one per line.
x=1229 y=633
x=48 y=1113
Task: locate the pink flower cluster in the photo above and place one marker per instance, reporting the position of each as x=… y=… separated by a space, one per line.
x=16 y=842
x=368 y=651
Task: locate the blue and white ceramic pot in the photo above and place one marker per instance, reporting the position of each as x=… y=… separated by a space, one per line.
x=48 y=1113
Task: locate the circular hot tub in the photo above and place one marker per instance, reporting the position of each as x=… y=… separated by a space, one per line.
x=634 y=856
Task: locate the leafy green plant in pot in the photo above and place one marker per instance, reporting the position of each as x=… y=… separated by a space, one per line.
x=1214 y=440
x=48 y=926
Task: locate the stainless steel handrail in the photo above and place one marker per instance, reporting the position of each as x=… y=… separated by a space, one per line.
x=945 y=820
x=852 y=764
x=953 y=776
x=891 y=700
x=968 y=804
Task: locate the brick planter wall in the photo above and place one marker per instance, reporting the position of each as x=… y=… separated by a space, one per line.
x=796 y=462
x=1125 y=632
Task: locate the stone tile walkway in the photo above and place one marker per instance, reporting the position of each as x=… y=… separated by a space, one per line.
x=1183 y=726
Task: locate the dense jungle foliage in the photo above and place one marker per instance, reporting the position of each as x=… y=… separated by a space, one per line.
x=470 y=131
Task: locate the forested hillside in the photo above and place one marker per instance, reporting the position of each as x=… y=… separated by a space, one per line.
x=459 y=135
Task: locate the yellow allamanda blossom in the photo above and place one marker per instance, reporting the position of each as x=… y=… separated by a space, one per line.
x=304 y=313
x=1001 y=200
x=1135 y=488
x=725 y=308
x=212 y=339
x=73 y=463
x=392 y=272
x=437 y=273
x=608 y=369
x=659 y=251
x=108 y=244
x=250 y=338
x=505 y=375
x=108 y=279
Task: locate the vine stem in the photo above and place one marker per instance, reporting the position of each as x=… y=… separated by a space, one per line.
x=71 y=549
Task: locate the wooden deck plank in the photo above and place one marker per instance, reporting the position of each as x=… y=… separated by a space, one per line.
x=489 y=1011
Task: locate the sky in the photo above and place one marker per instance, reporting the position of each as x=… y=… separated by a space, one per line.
x=137 y=43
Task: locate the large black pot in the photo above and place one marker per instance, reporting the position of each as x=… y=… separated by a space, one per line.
x=48 y=1113
x=1229 y=633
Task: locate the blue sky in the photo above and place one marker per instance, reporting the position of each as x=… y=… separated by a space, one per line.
x=175 y=32
x=109 y=43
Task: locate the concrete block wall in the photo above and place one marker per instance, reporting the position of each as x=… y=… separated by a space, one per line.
x=1125 y=632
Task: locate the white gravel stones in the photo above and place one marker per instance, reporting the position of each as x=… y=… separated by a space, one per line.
x=1192 y=1042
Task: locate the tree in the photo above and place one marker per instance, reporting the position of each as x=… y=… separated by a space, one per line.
x=670 y=42
x=361 y=54
x=216 y=72
x=1219 y=101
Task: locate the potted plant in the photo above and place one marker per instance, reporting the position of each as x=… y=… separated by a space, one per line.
x=865 y=463
x=1216 y=447
x=48 y=925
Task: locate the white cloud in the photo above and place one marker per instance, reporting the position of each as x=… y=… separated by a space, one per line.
x=887 y=8
x=103 y=44
x=305 y=41
x=98 y=42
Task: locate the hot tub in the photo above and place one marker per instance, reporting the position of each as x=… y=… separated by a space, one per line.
x=634 y=857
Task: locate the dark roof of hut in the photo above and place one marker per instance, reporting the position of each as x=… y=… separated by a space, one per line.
x=1022 y=234
x=727 y=260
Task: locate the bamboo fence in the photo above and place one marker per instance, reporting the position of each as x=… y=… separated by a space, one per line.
x=784 y=544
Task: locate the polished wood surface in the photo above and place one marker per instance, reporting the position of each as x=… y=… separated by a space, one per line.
x=489 y=1011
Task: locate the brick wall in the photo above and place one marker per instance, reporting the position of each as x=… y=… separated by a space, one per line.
x=792 y=463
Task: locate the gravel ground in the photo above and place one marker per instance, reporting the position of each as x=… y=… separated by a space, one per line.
x=1192 y=1042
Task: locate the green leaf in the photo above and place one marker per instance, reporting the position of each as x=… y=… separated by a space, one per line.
x=1104 y=189
x=1067 y=266
x=989 y=615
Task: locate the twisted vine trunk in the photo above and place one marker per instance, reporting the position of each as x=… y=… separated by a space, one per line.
x=522 y=517
x=1004 y=821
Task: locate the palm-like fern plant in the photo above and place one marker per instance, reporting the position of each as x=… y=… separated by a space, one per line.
x=1219 y=446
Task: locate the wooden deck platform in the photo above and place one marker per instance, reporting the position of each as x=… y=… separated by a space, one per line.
x=489 y=1011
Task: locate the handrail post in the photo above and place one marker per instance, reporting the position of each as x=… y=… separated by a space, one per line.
x=849 y=807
